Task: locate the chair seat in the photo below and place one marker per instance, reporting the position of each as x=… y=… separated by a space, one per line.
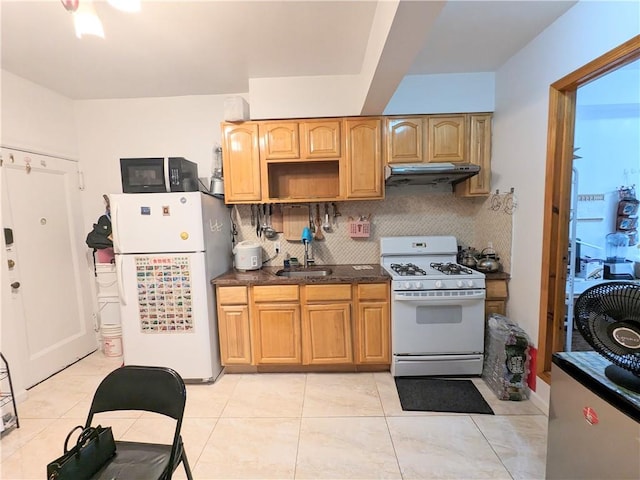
x=135 y=460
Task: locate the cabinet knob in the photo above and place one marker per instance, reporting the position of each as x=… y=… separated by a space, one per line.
x=15 y=285
x=11 y=263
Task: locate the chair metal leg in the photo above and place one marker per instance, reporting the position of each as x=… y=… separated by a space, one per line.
x=187 y=468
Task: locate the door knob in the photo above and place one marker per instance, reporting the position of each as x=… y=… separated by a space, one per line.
x=11 y=263
x=15 y=285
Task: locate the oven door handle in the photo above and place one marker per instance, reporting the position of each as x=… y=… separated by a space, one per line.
x=428 y=300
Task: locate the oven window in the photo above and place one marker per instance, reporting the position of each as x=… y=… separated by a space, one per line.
x=439 y=315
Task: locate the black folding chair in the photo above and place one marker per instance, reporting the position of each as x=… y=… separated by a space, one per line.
x=150 y=389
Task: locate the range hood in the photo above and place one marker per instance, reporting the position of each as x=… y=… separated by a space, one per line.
x=429 y=173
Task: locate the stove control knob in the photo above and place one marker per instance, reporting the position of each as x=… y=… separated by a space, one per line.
x=407 y=285
x=470 y=283
x=439 y=284
x=460 y=283
x=418 y=285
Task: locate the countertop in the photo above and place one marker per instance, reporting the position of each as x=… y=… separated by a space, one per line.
x=497 y=276
x=360 y=273
x=588 y=369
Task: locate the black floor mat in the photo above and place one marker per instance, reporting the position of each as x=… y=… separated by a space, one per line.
x=425 y=394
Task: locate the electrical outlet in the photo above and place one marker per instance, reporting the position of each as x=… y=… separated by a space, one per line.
x=276 y=246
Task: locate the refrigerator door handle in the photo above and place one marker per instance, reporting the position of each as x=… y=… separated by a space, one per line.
x=115 y=230
x=123 y=297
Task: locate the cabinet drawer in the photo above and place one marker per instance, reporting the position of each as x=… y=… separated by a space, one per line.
x=323 y=293
x=275 y=293
x=372 y=291
x=232 y=295
x=497 y=289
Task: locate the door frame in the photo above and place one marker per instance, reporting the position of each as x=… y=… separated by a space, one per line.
x=557 y=197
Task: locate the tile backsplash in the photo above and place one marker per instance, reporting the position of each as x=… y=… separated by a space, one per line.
x=410 y=210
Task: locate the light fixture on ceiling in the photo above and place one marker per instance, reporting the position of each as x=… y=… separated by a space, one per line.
x=85 y=18
x=86 y=21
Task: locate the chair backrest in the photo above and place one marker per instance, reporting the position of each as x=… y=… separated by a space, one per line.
x=152 y=389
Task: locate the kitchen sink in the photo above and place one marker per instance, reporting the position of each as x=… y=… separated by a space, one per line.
x=305 y=272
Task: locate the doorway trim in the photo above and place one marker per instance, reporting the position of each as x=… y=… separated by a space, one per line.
x=557 y=197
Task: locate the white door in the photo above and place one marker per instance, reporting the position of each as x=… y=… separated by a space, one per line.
x=46 y=273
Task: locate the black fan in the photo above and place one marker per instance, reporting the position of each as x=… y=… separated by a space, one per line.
x=608 y=317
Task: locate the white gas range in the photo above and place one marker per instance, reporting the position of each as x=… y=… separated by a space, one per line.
x=437 y=308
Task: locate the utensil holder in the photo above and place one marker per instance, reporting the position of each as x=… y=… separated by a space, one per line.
x=359 y=228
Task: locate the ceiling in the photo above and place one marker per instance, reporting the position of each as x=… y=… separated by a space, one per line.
x=173 y=48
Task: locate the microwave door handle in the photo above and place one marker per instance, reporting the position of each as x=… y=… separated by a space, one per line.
x=167 y=170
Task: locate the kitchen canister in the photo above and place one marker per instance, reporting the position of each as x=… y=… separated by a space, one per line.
x=111 y=340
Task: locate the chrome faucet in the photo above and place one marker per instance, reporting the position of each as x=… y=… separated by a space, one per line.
x=306 y=253
x=306 y=240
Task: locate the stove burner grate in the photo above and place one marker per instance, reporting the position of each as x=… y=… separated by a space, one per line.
x=451 y=268
x=407 y=269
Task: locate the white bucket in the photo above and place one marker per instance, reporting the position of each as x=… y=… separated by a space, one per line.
x=106 y=280
x=111 y=340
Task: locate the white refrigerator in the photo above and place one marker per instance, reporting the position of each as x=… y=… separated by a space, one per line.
x=168 y=246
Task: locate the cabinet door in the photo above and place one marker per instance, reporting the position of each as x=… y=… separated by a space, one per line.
x=479 y=154
x=363 y=158
x=495 y=306
x=373 y=337
x=321 y=139
x=404 y=140
x=326 y=334
x=241 y=163
x=235 y=343
x=276 y=334
x=446 y=139
x=279 y=140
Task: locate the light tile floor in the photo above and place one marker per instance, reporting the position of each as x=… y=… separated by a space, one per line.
x=292 y=426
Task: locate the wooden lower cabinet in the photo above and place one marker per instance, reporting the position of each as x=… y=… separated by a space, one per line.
x=324 y=324
x=326 y=334
x=233 y=328
x=373 y=327
x=233 y=325
x=276 y=334
x=497 y=294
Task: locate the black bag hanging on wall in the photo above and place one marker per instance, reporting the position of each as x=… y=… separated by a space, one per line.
x=99 y=237
x=94 y=448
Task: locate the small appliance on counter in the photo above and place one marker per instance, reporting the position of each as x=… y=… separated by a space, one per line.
x=247 y=255
x=616 y=266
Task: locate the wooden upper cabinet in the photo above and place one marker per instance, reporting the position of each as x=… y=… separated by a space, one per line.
x=447 y=140
x=363 y=158
x=321 y=139
x=404 y=140
x=280 y=140
x=479 y=154
x=241 y=162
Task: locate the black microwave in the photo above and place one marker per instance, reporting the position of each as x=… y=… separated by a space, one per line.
x=156 y=175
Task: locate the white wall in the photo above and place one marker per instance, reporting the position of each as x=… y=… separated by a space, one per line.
x=112 y=129
x=446 y=93
x=585 y=32
x=36 y=119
